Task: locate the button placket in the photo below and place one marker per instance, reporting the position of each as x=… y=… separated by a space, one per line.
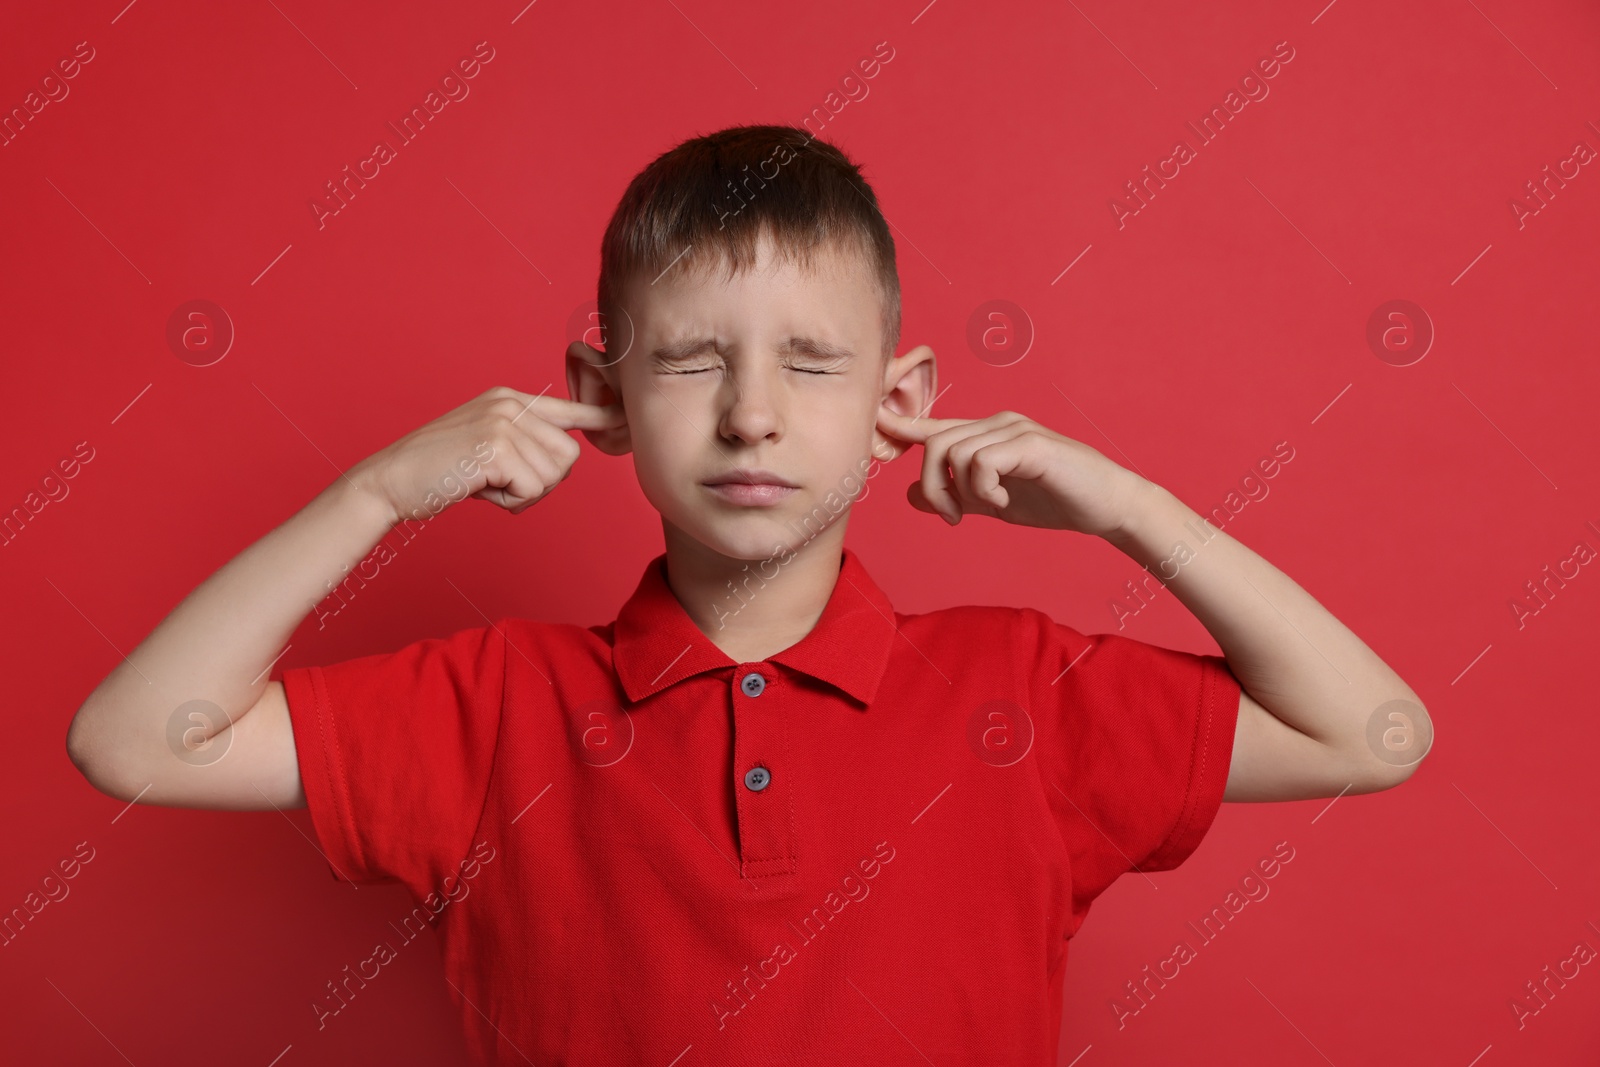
x=762 y=792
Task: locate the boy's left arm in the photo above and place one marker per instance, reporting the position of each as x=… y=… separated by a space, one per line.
x=1319 y=712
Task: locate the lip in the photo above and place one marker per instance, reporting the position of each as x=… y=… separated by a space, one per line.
x=751 y=476
x=752 y=487
x=759 y=495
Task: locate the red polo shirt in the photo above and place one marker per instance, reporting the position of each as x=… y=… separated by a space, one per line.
x=870 y=845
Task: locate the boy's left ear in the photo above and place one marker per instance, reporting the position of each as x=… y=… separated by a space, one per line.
x=592 y=379
x=910 y=383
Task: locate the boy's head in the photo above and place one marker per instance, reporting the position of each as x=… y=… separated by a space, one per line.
x=751 y=310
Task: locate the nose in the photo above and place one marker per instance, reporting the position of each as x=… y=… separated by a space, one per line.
x=749 y=411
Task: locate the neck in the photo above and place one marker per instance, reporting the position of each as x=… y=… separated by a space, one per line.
x=751 y=609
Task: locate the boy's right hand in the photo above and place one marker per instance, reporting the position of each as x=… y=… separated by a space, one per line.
x=508 y=447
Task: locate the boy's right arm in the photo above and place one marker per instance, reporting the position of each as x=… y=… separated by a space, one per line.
x=216 y=646
x=130 y=739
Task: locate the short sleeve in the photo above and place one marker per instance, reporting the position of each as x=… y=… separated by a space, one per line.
x=1136 y=742
x=395 y=751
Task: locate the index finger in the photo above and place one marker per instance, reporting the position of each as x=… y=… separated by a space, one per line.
x=915 y=430
x=574 y=414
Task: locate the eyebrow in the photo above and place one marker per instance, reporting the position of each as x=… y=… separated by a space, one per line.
x=692 y=346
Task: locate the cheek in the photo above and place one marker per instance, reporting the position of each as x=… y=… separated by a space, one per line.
x=847 y=420
x=838 y=434
x=664 y=435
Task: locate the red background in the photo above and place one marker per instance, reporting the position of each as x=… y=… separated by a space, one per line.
x=1223 y=318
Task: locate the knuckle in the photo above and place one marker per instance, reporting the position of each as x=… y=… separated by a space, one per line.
x=505 y=407
x=500 y=444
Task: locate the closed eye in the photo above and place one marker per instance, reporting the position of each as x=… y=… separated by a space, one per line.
x=702 y=370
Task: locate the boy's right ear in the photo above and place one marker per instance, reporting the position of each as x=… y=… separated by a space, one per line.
x=593 y=379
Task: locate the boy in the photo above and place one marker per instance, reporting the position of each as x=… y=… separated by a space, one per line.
x=762 y=817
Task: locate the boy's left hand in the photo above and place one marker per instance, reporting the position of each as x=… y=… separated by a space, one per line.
x=1014 y=469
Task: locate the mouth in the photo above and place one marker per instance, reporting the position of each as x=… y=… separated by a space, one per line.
x=751 y=487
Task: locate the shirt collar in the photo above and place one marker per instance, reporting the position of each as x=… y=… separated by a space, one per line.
x=656 y=643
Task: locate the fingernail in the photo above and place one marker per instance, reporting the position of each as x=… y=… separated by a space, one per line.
x=948 y=518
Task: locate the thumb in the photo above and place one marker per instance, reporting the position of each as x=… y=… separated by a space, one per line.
x=918 y=499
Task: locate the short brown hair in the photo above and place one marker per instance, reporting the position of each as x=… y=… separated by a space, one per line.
x=715 y=195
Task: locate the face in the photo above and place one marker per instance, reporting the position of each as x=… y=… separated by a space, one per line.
x=778 y=369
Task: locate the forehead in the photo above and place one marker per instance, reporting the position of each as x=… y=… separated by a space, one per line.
x=831 y=285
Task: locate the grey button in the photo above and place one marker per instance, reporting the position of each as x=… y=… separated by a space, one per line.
x=752 y=684
x=756 y=779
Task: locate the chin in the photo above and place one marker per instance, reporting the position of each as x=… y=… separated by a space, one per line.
x=752 y=542
x=750 y=534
